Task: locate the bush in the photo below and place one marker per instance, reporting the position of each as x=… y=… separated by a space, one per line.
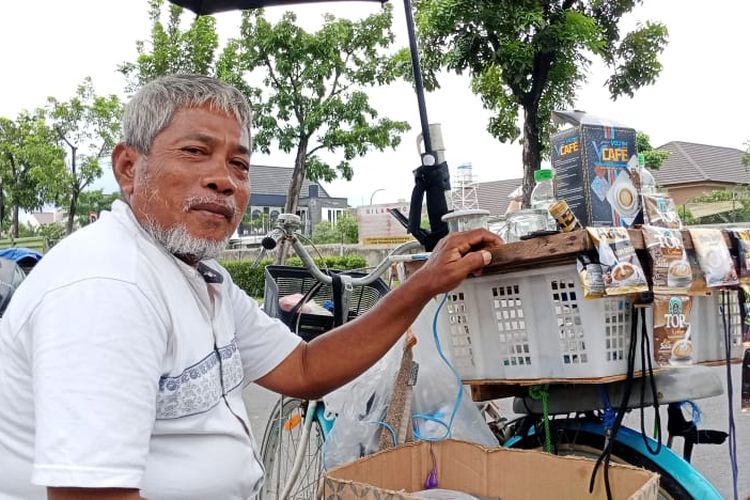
x=253 y=280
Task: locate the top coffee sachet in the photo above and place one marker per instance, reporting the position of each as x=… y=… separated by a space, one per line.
x=620 y=266
x=713 y=257
x=671 y=272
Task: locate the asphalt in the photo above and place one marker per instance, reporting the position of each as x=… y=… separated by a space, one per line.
x=712 y=461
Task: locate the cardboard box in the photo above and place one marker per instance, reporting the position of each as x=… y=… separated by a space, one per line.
x=587 y=160
x=486 y=472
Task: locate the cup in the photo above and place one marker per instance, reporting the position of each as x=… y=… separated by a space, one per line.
x=525 y=222
x=679 y=274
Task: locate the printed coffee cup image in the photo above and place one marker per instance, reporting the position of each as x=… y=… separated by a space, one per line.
x=715 y=264
x=624 y=271
x=682 y=350
x=623 y=197
x=679 y=274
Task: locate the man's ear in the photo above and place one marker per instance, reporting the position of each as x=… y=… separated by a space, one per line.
x=124 y=158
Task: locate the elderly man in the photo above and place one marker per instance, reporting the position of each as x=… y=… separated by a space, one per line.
x=124 y=353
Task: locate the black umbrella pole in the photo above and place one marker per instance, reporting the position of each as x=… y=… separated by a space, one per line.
x=418 y=81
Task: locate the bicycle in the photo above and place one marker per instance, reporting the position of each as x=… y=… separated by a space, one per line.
x=578 y=419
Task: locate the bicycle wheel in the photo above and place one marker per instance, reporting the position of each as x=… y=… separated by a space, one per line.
x=281 y=440
x=678 y=479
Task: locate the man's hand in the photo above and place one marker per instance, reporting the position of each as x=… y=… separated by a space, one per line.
x=454 y=258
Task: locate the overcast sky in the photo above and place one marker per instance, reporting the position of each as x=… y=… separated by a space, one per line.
x=49 y=46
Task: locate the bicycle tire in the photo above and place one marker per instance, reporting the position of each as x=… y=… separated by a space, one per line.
x=678 y=479
x=280 y=443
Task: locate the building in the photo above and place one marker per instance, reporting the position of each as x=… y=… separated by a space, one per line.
x=696 y=169
x=268 y=191
x=493 y=195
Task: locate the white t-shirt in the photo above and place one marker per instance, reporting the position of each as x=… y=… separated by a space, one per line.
x=118 y=368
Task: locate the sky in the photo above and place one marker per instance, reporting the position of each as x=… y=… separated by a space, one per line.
x=47 y=47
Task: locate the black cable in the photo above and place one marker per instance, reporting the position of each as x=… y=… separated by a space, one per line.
x=647 y=366
x=726 y=322
x=605 y=456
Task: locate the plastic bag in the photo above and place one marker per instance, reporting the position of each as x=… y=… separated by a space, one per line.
x=358 y=407
x=362 y=404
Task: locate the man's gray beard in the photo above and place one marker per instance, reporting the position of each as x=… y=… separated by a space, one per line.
x=177 y=241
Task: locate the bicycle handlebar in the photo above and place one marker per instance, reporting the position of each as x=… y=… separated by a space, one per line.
x=289 y=224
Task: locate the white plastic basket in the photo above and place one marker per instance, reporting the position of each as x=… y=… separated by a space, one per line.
x=708 y=327
x=535 y=324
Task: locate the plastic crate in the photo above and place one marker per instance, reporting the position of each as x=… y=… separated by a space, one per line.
x=286 y=280
x=535 y=324
x=708 y=327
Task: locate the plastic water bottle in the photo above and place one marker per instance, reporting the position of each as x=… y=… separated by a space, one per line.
x=648 y=183
x=543 y=195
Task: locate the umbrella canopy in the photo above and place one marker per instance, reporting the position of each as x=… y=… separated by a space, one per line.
x=206 y=7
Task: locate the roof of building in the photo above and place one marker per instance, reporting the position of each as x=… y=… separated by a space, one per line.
x=691 y=162
x=493 y=195
x=265 y=179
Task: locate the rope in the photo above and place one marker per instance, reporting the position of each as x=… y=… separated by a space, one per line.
x=541 y=392
x=726 y=321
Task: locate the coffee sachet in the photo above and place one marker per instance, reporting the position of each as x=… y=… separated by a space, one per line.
x=659 y=210
x=713 y=257
x=672 y=342
x=698 y=285
x=741 y=242
x=670 y=270
x=621 y=269
x=590 y=274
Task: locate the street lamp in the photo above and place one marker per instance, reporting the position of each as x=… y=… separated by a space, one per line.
x=373 y=194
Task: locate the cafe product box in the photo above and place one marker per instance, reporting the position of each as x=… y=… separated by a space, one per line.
x=482 y=472
x=590 y=163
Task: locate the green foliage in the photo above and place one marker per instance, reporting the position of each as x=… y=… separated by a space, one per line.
x=30 y=162
x=252 y=280
x=87 y=127
x=344 y=231
x=654 y=157
x=532 y=56
x=52 y=233
x=172 y=50
x=740 y=212
x=313 y=96
x=93 y=202
x=746 y=155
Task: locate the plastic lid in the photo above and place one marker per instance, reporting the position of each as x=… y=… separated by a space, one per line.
x=543 y=175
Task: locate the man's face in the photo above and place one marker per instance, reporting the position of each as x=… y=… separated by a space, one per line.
x=196 y=176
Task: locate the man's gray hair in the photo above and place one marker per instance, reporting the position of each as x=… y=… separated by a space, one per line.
x=151 y=109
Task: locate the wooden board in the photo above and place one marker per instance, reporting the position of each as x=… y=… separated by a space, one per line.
x=483 y=390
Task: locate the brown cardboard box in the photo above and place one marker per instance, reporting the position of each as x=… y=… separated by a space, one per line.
x=486 y=472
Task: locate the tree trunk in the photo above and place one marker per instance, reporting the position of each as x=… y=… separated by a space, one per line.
x=532 y=147
x=72 y=211
x=2 y=209
x=292 y=196
x=14 y=224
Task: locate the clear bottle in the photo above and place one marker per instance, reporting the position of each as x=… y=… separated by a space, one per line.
x=648 y=183
x=543 y=195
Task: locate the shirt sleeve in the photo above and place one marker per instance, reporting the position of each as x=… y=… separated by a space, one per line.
x=97 y=351
x=264 y=342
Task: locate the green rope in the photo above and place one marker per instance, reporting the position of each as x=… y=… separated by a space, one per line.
x=542 y=392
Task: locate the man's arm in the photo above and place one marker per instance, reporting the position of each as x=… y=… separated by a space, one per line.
x=333 y=359
x=92 y=494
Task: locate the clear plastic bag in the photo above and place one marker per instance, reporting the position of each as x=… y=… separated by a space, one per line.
x=362 y=404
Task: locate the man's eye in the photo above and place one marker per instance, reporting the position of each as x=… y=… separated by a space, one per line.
x=241 y=165
x=192 y=150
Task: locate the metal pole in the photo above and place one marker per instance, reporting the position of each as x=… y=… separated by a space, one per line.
x=418 y=82
x=373 y=194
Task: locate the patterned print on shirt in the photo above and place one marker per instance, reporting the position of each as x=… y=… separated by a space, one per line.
x=198 y=388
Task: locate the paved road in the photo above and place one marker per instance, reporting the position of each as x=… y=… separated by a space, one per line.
x=711 y=461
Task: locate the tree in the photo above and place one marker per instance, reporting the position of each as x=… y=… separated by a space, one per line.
x=746 y=155
x=531 y=56
x=171 y=49
x=87 y=126
x=313 y=96
x=654 y=157
x=345 y=230
x=30 y=161
x=93 y=202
